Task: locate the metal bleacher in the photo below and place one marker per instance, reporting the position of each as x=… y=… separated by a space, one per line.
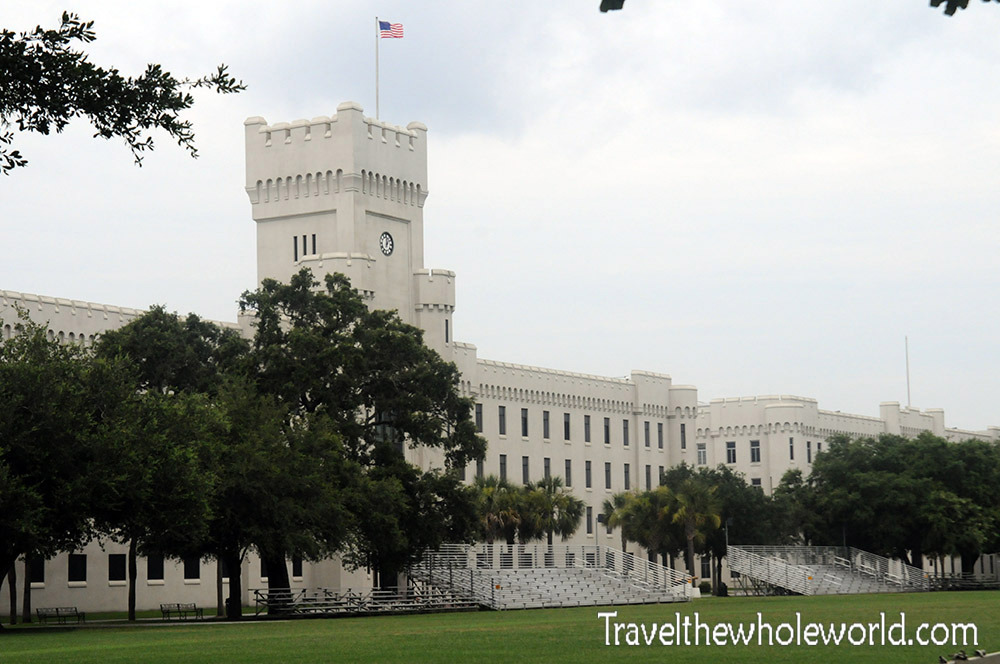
x=821 y=570
x=519 y=576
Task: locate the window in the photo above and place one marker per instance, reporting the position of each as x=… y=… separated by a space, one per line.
x=684 y=438
x=263 y=569
x=305 y=248
x=586 y=474
x=546 y=468
x=607 y=430
x=731 y=451
x=524 y=422
x=192 y=568
x=154 y=568
x=645 y=432
x=754 y=451
x=809 y=452
x=447 y=330
x=625 y=432
x=545 y=424
x=479 y=467
x=659 y=435
x=314 y=243
x=295 y=247
x=569 y=473
x=702 y=454
x=649 y=477
x=503 y=466
x=706 y=567
x=565 y=426
x=461 y=473
x=659 y=478
x=819 y=447
x=525 y=472
x=36 y=569
x=116 y=567
x=77 y=568
x=586 y=428
x=607 y=474
x=755 y=483
x=502 y=415
x=297 y=567
x=590 y=520
x=628 y=484
x=479 y=418
x=791 y=449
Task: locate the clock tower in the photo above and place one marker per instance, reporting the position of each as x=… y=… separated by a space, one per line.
x=346 y=194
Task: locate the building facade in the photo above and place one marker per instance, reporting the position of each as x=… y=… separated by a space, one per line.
x=346 y=194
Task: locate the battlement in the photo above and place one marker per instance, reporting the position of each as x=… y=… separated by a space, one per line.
x=346 y=152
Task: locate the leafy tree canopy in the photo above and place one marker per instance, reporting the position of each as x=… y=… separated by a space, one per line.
x=45 y=82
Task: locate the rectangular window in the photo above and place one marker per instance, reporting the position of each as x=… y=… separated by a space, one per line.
x=546 y=468
x=791 y=449
x=569 y=473
x=586 y=474
x=607 y=430
x=77 y=568
x=586 y=428
x=706 y=567
x=502 y=415
x=192 y=568
x=628 y=484
x=590 y=520
x=702 y=454
x=297 y=567
x=36 y=569
x=447 y=331
x=649 y=477
x=461 y=473
x=755 y=482
x=524 y=422
x=503 y=466
x=224 y=569
x=659 y=478
x=314 y=244
x=545 y=424
x=116 y=567
x=565 y=426
x=645 y=432
x=809 y=452
x=154 y=568
x=659 y=435
x=525 y=472
x=754 y=451
x=305 y=249
x=625 y=433
x=295 y=245
x=819 y=447
x=479 y=467
x=607 y=474
x=684 y=438
x=731 y=451
x=479 y=418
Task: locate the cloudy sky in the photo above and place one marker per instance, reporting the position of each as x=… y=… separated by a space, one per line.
x=755 y=198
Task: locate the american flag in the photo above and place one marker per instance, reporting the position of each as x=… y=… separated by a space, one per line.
x=390 y=30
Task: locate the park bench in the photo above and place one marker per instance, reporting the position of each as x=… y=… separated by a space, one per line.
x=60 y=613
x=181 y=611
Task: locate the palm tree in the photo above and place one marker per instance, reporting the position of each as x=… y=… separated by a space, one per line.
x=697 y=508
x=615 y=510
x=497 y=505
x=558 y=511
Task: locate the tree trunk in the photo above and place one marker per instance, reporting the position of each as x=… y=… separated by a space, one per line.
x=969 y=563
x=26 y=599
x=234 y=605
x=690 y=561
x=220 y=606
x=278 y=583
x=12 y=582
x=133 y=573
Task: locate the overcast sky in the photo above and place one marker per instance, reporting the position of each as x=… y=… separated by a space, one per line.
x=755 y=198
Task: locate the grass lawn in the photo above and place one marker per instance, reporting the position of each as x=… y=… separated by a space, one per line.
x=553 y=635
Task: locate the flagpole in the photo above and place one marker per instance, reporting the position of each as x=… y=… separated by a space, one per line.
x=376 y=68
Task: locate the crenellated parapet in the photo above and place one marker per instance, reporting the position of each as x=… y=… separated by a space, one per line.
x=300 y=166
x=434 y=289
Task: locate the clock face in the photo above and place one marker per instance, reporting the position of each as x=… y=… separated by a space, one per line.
x=385 y=244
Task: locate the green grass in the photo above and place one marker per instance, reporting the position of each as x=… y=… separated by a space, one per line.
x=555 y=635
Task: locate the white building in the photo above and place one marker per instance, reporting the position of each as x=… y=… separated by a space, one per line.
x=346 y=194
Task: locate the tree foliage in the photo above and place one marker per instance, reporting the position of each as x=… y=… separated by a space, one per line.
x=45 y=82
x=951 y=6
